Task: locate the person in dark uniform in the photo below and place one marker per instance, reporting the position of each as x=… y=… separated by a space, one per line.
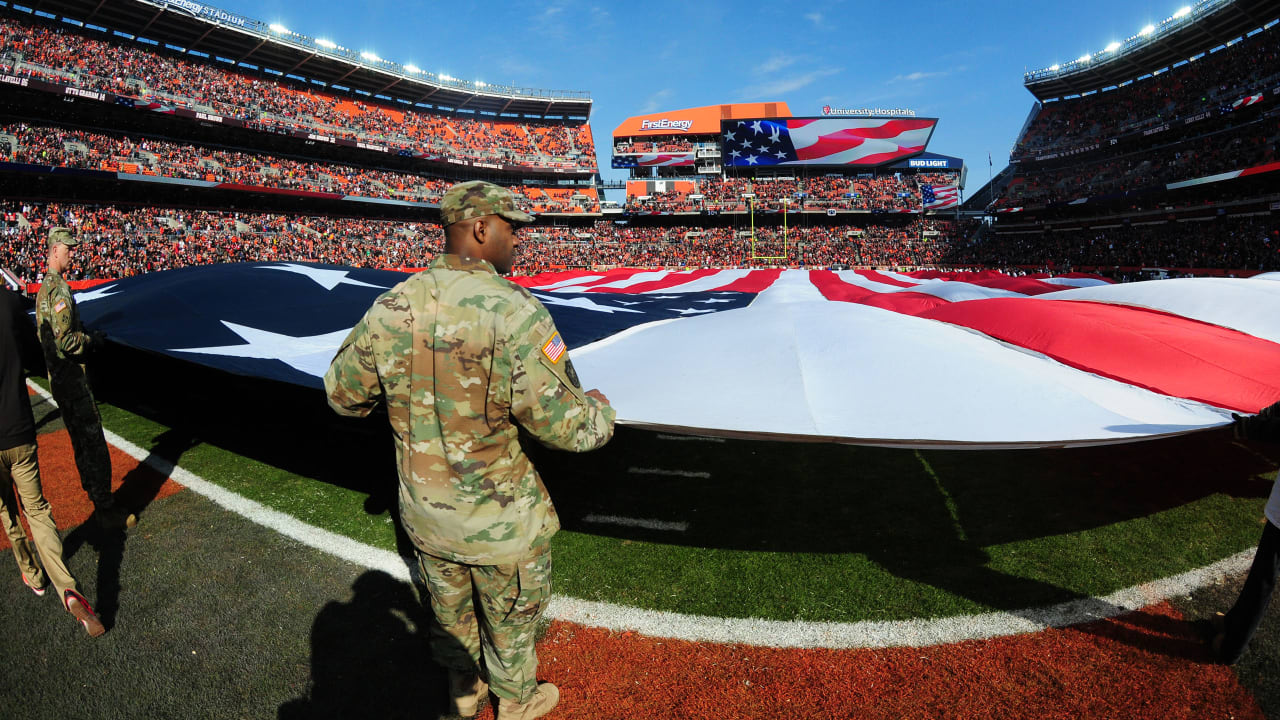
x=66 y=346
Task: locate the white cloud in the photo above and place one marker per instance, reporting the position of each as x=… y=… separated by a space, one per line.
x=785 y=85
x=654 y=102
x=814 y=17
x=775 y=63
x=918 y=76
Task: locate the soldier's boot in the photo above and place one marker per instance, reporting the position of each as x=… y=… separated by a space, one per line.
x=467 y=690
x=543 y=701
x=79 y=607
x=116 y=518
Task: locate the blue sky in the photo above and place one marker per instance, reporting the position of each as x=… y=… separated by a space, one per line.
x=961 y=62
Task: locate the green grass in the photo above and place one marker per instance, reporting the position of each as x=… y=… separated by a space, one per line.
x=797 y=531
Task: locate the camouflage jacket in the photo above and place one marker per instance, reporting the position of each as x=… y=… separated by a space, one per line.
x=460 y=356
x=62 y=338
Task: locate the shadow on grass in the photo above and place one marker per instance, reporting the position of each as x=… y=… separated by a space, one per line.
x=924 y=516
x=369 y=658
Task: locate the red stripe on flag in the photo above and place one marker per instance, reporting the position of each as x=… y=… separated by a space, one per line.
x=671 y=280
x=907 y=303
x=753 y=282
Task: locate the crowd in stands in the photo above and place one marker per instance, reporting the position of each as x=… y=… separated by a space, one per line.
x=134 y=71
x=1232 y=243
x=47 y=145
x=1252 y=144
x=124 y=241
x=655 y=146
x=1218 y=79
x=885 y=193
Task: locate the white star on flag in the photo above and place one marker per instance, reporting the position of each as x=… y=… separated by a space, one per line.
x=327 y=279
x=95 y=294
x=581 y=303
x=309 y=354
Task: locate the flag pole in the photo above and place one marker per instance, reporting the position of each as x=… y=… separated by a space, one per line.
x=991 y=191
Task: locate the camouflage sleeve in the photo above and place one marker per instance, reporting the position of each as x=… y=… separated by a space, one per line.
x=71 y=340
x=546 y=396
x=352 y=383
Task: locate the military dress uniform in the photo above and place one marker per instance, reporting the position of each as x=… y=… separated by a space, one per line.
x=65 y=345
x=460 y=357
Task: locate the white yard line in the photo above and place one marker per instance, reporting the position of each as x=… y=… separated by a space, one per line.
x=668 y=525
x=669 y=473
x=703 y=628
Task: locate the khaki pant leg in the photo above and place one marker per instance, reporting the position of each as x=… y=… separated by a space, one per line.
x=513 y=598
x=455 y=637
x=9 y=510
x=26 y=479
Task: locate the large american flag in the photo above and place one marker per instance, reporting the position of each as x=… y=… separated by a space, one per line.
x=936 y=197
x=797 y=141
x=922 y=359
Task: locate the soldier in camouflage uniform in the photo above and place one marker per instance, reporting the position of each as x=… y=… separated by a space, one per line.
x=461 y=357
x=66 y=345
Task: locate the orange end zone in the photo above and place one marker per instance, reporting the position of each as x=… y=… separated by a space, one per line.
x=1144 y=664
x=134 y=484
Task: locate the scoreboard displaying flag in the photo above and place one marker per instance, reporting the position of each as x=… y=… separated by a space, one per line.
x=857 y=141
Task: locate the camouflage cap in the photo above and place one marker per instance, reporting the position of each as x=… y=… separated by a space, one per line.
x=477 y=198
x=62 y=236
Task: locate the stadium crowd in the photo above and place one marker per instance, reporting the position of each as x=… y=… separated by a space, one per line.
x=1212 y=82
x=124 y=241
x=47 y=145
x=885 y=193
x=1252 y=144
x=132 y=71
x=1232 y=243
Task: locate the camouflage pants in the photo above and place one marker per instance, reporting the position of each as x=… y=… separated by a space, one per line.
x=501 y=631
x=93 y=460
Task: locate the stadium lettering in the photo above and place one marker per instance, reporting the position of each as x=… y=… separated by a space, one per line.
x=902 y=112
x=207 y=116
x=370 y=146
x=14 y=80
x=488 y=165
x=196 y=8
x=1194 y=118
x=456 y=161
x=665 y=124
x=928 y=163
x=1158 y=129
x=85 y=93
x=321 y=138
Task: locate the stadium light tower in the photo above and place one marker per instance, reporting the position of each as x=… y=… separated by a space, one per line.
x=278 y=28
x=370 y=56
x=1183 y=11
x=413 y=68
x=1114 y=46
x=326 y=43
x=1147 y=30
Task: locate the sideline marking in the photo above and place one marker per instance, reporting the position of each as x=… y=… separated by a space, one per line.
x=703 y=628
x=696 y=438
x=636 y=522
x=674 y=473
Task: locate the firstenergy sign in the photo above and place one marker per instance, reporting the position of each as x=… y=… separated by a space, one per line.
x=665 y=124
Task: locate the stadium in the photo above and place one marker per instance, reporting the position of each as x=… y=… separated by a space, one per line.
x=892 y=441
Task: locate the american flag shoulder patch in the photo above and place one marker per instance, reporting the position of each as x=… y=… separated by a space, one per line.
x=62 y=305
x=554 y=348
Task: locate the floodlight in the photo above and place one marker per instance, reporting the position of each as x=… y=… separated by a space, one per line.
x=1083 y=59
x=1113 y=47
x=413 y=68
x=1054 y=67
x=1147 y=30
x=278 y=28
x=479 y=83
x=370 y=56
x=326 y=43
x=445 y=77
x=1183 y=11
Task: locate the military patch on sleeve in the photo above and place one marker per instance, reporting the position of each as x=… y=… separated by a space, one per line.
x=554 y=348
x=62 y=305
x=571 y=373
